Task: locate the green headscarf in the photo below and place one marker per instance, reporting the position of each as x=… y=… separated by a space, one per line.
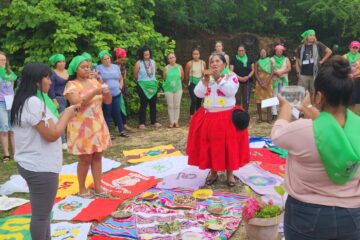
x=307 y=33
x=74 y=64
x=7 y=77
x=265 y=64
x=87 y=56
x=243 y=59
x=352 y=57
x=102 y=53
x=56 y=58
x=339 y=148
x=48 y=102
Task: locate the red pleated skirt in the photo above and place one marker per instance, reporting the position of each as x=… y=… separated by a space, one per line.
x=215 y=143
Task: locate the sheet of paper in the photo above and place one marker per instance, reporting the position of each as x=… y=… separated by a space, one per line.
x=295 y=112
x=9 y=101
x=274 y=101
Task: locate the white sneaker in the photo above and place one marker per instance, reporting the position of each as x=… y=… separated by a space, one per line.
x=64 y=146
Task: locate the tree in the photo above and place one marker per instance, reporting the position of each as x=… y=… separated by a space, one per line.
x=32 y=30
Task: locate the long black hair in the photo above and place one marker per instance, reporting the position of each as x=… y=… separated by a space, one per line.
x=334 y=82
x=31 y=77
x=141 y=51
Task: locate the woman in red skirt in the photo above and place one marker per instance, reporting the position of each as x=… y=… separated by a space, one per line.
x=218 y=137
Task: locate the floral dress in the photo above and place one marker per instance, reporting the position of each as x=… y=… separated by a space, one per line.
x=87 y=132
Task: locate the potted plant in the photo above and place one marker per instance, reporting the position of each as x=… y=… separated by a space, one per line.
x=262 y=219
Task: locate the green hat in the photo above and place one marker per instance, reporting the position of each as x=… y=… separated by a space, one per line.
x=307 y=33
x=56 y=58
x=87 y=56
x=102 y=53
x=74 y=64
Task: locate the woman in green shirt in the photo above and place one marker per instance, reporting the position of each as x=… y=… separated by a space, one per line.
x=174 y=75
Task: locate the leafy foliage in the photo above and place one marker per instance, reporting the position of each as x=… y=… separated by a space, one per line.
x=334 y=21
x=268 y=211
x=32 y=30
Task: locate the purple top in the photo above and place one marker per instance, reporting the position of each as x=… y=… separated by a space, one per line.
x=57 y=85
x=6 y=88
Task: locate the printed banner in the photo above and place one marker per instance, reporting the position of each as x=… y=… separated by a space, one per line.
x=151 y=154
x=15 y=227
x=69 y=185
x=69 y=231
x=7 y=203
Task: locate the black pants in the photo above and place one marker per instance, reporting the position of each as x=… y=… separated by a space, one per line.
x=144 y=101
x=195 y=101
x=43 y=187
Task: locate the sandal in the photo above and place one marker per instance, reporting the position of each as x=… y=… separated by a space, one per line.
x=87 y=195
x=211 y=181
x=6 y=158
x=233 y=183
x=102 y=194
x=123 y=135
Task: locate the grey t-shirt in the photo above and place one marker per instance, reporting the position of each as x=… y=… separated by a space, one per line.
x=32 y=151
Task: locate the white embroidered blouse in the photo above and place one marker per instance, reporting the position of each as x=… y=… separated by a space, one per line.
x=218 y=96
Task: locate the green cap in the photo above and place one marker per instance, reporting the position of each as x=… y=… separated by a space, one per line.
x=74 y=64
x=307 y=33
x=102 y=53
x=56 y=58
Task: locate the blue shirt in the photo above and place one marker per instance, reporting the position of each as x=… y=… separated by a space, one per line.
x=110 y=76
x=57 y=86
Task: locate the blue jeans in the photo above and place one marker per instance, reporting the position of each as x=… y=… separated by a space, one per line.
x=62 y=105
x=113 y=110
x=306 y=221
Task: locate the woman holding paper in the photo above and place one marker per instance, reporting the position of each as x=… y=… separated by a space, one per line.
x=218 y=136
x=322 y=171
x=37 y=129
x=7 y=80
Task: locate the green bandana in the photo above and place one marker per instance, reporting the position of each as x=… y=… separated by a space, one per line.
x=278 y=64
x=265 y=64
x=339 y=148
x=74 y=64
x=56 y=58
x=226 y=70
x=243 y=59
x=103 y=53
x=122 y=105
x=7 y=77
x=194 y=80
x=352 y=57
x=48 y=102
x=172 y=82
x=149 y=87
x=307 y=33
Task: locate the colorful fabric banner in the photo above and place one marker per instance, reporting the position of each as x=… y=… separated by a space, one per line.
x=190 y=178
x=80 y=209
x=151 y=154
x=278 y=169
x=15 y=228
x=125 y=184
x=265 y=155
x=69 y=185
x=67 y=231
x=149 y=217
x=26 y=208
x=7 y=203
x=261 y=181
x=107 y=165
x=162 y=167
